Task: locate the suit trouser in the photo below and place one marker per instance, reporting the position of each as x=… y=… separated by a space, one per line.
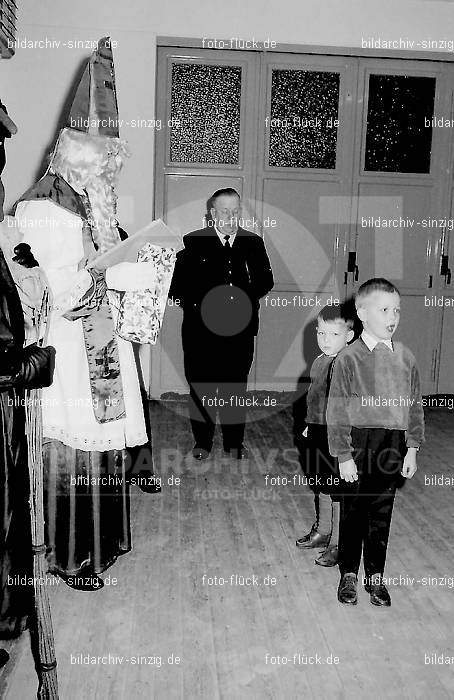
x=217 y=368
x=367 y=504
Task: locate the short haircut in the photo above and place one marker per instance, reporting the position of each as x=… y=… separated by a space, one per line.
x=376 y=284
x=229 y=191
x=335 y=313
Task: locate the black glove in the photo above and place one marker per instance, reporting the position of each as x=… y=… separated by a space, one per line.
x=23 y=256
x=37 y=368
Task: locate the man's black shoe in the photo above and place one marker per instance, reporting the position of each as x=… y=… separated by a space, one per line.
x=346 y=592
x=378 y=594
x=313 y=540
x=200 y=453
x=241 y=452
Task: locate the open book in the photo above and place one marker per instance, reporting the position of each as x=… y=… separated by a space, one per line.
x=156 y=232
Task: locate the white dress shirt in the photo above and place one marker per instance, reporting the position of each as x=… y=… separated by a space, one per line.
x=221 y=236
x=371 y=342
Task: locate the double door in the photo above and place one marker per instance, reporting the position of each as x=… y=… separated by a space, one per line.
x=342 y=170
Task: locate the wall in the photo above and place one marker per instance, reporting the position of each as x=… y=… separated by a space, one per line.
x=35 y=83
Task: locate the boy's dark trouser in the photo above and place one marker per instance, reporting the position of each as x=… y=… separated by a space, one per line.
x=367 y=504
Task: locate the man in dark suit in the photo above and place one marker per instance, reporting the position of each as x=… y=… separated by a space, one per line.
x=219 y=278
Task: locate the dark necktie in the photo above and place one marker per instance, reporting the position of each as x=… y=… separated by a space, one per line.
x=227 y=244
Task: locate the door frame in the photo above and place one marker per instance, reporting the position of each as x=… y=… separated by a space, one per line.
x=193 y=43
x=392 y=61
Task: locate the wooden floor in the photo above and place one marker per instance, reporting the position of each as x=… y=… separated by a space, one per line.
x=224 y=521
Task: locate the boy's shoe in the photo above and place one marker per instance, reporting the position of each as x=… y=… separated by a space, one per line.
x=313 y=540
x=346 y=592
x=329 y=557
x=307 y=537
x=379 y=594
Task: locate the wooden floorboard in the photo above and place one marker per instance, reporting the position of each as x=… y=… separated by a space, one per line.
x=224 y=520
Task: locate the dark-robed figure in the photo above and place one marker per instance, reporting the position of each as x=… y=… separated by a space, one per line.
x=20 y=368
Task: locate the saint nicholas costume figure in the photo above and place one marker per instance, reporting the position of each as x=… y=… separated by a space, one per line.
x=93 y=410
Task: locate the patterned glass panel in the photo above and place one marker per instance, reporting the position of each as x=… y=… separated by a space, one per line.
x=399 y=131
x=303 y=123
x=205 y=109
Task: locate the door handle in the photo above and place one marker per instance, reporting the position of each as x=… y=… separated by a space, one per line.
x=434 y=364
x=351 y=267
x=445 y=270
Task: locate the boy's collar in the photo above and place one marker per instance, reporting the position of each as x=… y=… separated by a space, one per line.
x=371 y=342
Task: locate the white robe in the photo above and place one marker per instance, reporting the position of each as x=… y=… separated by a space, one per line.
x=55 y=237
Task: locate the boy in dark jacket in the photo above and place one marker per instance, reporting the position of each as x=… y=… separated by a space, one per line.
x=334 y=332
